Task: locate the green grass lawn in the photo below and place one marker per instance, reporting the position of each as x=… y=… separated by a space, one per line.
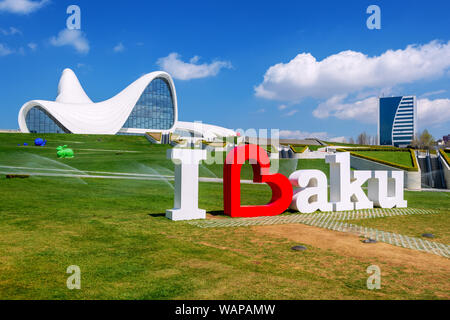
x=439 y=225
x=298 y=148
x=109 y=154
x=92 y=152
x=115 y=230
x=401 y=158
x=341 y=144
x=315 y=147
x=318 y=164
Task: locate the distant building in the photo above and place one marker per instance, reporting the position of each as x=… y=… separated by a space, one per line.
x=446 y=138
x=397 y=121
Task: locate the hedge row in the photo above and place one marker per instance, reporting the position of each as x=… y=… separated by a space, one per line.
x=378 y=148
x=414 y=159
x=208 y=143
x=385 y=148
x=298 y=148
x=270 y=149
x=445 y=156
x=395 y=165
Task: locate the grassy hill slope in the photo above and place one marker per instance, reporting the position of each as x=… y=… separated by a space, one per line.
x=116 y=232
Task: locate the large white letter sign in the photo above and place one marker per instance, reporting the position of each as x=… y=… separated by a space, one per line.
x=387 y=192
x=186 y=184
x=359 y=197
x=344 y=193
x=312 y=192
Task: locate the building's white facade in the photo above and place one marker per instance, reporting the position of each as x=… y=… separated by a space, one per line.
x=147 y=105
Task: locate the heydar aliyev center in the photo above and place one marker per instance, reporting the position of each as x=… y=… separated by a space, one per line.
x=148 y=105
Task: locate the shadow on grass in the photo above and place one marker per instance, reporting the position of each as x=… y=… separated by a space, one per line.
x=156 y=215
x=213 y=213
x=217 y=213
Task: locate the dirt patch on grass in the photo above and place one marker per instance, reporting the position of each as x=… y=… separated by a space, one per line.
x=351 y=245
x=222 y=247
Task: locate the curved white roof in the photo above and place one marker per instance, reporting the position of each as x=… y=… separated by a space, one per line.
x=76 y=112
x=70 y=90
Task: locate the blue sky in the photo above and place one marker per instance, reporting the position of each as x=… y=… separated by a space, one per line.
x=236 y=63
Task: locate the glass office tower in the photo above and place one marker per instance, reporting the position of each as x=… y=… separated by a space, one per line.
x=397 y=121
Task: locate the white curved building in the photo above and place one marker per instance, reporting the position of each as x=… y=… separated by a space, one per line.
x=147 y=105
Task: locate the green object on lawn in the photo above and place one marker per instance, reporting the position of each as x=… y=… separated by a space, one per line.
x=64 y=152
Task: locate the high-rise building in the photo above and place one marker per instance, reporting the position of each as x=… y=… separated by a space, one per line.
x=446 y=138
x=397 y=121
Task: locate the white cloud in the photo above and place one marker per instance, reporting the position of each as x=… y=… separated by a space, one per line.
x=33 y=46
x=433 y=93
x=290 y=113
x=194 y=59
x=282 y=107
x=261 y=110
x=297 y=134
x=349 y=72
x=429 y=112
x=74 y=38
x=362 y=110
x=10 y=32
x=119 y=47
x=21 y=6
x=338 y=139
x=433 y=112
x=190 y=70
x=4 y=50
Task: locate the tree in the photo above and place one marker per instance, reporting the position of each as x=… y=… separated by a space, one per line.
x=424 y=141
x=415 y=144
x=363 y=139
x=373 y=140
x=351 y=141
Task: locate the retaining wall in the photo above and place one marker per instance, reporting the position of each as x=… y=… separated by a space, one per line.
x=446 y=169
